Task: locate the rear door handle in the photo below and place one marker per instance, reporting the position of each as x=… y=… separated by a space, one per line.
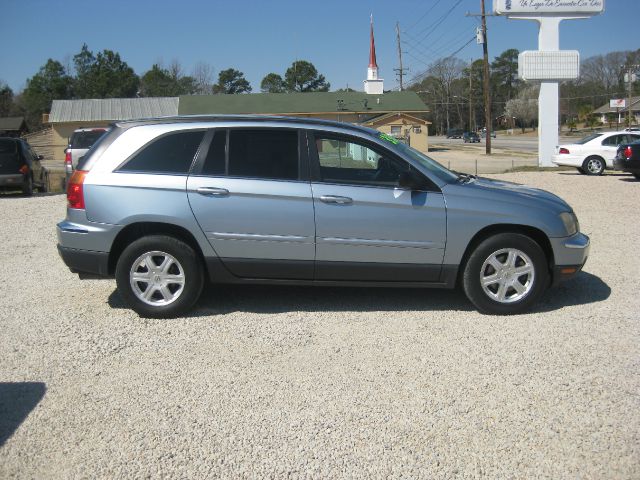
x=213 y=191
x=334 y=199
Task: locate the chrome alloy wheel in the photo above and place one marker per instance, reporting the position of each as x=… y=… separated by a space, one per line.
x=157 y=278
x=594 y=166
x=507 y=275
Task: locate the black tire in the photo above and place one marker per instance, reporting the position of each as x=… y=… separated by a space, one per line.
x=581 y=171
x=593 y=165
x=187 y=263
x=534 y=284
x=44 y=186
x=27 y=186
x=636 y=175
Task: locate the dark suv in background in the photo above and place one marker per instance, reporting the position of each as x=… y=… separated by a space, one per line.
x=20 y=167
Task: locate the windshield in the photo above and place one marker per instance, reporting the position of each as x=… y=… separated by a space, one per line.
x=588 y=138
x=426 y=162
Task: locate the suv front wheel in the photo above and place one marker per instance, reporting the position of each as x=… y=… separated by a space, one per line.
x=159 y=276
x=505 y=274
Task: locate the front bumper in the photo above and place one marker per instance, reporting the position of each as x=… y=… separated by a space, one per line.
x=570 y=254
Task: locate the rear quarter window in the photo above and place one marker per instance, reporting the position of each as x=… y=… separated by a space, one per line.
x=172 y=154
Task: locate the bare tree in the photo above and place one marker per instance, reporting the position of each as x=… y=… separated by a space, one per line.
x=445 y=72
x=604 y=70
x=203 y=75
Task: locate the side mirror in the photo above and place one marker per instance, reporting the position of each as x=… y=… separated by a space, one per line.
x=410 y=181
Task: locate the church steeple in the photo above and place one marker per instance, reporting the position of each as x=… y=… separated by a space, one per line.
x=373 y=84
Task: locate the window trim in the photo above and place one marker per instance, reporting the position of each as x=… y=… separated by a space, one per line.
x=316 y=176
x=118 y=169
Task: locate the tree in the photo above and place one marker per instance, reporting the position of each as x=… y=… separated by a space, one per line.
x=273 y=83
x=163 y=82
x=104 y=75
x=504 y=75
x=202 y=75
x=302 y=76
x=50 y=83
x=231 y=81
x=6 y=100
x=524 y=108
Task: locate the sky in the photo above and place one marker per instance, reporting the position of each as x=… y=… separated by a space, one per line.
x=262 y=36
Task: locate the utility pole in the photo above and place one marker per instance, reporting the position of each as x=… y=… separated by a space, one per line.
x=399 y=70
x=470 y=93
x=629 y=77
x=487 y=95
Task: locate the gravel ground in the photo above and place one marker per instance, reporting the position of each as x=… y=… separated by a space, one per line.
x=326 y=382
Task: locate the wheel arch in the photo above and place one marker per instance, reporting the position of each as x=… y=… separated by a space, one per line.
x=534 y=233
x=134 y=231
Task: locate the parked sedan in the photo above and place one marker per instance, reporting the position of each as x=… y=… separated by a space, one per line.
x=20 y=167
x=594 y=153
x=628 y=158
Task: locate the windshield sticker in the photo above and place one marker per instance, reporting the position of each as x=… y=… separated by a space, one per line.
x=389 y=138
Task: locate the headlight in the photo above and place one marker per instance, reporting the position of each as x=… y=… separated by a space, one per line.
x=570 y=222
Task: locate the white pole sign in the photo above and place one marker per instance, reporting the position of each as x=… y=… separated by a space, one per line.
x=548 y=14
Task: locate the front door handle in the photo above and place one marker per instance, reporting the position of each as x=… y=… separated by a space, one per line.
x=213 y=191
x=334 y=199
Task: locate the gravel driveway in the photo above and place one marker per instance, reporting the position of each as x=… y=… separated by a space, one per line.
x=326 y=382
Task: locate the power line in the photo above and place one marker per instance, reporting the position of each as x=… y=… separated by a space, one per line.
x=424 y=15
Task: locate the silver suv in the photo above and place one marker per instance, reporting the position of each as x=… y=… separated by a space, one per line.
x=80 y=142
x=165 y=204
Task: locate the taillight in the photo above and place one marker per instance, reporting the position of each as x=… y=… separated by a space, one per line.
x=563 y=150
x=627 y=153
x=75 y=193
x=24 y=169
x=67 y=158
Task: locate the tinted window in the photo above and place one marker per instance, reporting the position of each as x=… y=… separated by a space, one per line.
x=632 y=138
x=613 y=140
x=86 y=139
x=588 y=138
x=8 y=146
x=214 y=164
x=343 y=161
x=263 y=154
x=172 y=153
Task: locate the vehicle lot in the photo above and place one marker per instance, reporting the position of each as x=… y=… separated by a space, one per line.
x=326 y=382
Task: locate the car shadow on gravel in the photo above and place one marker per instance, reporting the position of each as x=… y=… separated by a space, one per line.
x=17 y=400
x=630 y=179
x=224 y=299
x=10 y=195
x=583 y=289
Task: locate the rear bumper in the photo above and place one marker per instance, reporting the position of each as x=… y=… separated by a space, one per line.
x=11 y=180
x=85 y=261
x=625 y=165
x=567 y=160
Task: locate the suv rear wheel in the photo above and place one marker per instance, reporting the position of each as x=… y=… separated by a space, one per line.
x=159 y=276
x=505 y=274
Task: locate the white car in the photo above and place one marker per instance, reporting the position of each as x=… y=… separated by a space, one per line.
x=594 y=153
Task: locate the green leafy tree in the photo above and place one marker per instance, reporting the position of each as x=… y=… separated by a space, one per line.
x=231 y=81
x=504 y=76
x=273 y=83
x=6 y=100
x=302 y=76
x=161 y=82
x=50 y=83
x=104 y=75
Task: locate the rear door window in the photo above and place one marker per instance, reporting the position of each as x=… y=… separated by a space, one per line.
x=268 y=154
x=170 y=154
